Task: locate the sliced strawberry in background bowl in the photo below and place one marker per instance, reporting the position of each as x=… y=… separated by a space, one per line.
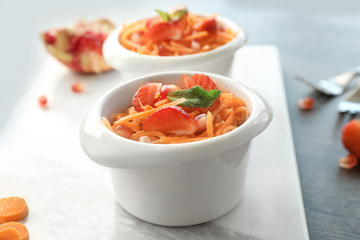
x=209 y=25
x=201 y=80
x=80 y=47
x=162 y=31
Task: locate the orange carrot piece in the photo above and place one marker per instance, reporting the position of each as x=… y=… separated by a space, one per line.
x=190 y=140
x=9 y=234
x=12 y=209
x=209 y=124
x=107 y=124
x=141 y=133
x=197 y=35
x=177 y=49
x=162 y=102
x=229 y=128
x=227 y=123
x=21 y=228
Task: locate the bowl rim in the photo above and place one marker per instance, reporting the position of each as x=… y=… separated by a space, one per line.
x=223 y=20
x=114 y=91
x=260 y=117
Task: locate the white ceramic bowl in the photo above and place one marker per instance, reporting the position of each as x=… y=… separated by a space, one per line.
x=216 y=61
x=174 y=184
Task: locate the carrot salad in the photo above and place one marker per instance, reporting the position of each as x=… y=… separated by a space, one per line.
x=167 y=114
x=175 y=33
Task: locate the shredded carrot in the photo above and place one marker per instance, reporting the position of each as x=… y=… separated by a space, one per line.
x=240 y=109
x=177 y=49
x=141 y=133
x=228 y=129
x=106 y=122
x=229 y=113
x=12 y=209
x=133 y=125
x=227 y=123
x=190 y=140
x=198 y=35
x=209 y=124
x=147 y=107
x=132 y=44
x=220 y=108
x=165 y=139
x=130 y=37
x=162 y=102
x=21 y=228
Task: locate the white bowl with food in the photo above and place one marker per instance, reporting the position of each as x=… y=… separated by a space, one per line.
x=199 y=42
x=185 y=182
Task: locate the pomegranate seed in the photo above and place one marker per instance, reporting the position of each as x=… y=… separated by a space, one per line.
x=144 y=139
x=201 y=122
x=123 y=131
x=306 y=103
x=78 y=87
x=136 y=38
x=42 y=101
x=348 y=161
x=195 y=45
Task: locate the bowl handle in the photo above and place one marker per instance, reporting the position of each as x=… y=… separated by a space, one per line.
x=98 y=144
x=102 y=145
x=262 y=116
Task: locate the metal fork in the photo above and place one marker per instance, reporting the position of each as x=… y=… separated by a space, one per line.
x=351 y=102
x=336 y=85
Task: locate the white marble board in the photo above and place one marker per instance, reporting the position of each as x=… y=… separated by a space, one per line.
x=70 y=197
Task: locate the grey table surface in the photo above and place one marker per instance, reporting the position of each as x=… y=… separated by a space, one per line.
x=314 y=40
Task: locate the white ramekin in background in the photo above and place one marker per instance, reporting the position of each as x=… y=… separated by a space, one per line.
x=217 y=61
x=174 y=184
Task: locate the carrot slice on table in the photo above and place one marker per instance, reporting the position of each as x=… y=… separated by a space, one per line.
x=12 y=209
x=9 y=234
x=21 y=228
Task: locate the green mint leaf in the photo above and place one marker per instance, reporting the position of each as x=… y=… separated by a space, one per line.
x=196 y=97
x=164 y=15
x=178 y=14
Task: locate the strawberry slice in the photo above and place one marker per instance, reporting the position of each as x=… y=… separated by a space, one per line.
x=167 y=88
x=145 y=95
x=160 y=31
x=209 y=25
x=201 y=80
x=171 y=119
x=153 y=21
